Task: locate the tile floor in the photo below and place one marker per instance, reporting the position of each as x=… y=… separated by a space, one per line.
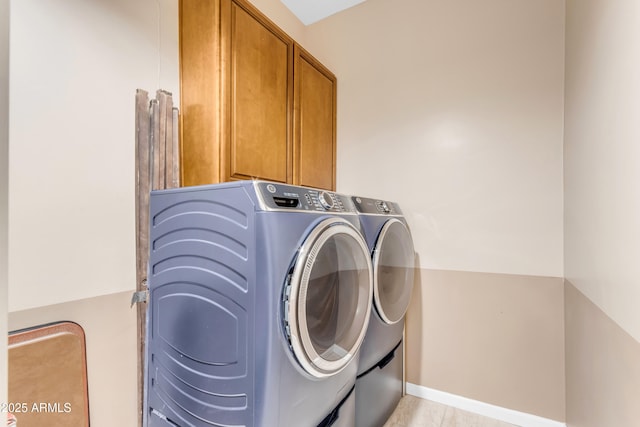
x=415 y=412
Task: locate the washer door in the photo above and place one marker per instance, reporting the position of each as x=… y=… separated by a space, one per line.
x=393 y=270
x=328 y=300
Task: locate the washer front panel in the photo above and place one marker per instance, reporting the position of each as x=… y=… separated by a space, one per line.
x=284 y=197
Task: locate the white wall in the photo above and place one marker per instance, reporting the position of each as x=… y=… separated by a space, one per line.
x=4 y=187
x=602 y=151
x=454 y=108
x=75 y=67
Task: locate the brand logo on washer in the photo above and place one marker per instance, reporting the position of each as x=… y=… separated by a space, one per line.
x=271 y=188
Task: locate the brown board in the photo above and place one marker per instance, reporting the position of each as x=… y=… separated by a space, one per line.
x=144 y=160
x=48 y=376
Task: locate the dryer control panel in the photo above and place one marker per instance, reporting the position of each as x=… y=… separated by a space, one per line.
x=376 y=206
x=275 y=196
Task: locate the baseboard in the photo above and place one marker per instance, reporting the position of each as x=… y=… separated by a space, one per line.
x=517 y=418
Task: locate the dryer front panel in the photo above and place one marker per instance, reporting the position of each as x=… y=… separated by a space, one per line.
x=393 y=271
x=327 y=300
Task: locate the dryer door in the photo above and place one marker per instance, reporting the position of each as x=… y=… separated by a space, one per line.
x=327 y=302
x=393 y=269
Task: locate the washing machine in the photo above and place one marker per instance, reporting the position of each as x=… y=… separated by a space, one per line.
x=379 y=384
x=259 y=300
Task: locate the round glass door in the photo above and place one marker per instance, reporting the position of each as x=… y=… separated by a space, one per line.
x=393 y=264
x=329 y=299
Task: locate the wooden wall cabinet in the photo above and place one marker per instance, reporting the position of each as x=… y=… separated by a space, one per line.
x=314 y=123
x=254 y=103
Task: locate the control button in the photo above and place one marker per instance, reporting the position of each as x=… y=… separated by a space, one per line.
x=383 y=207
x=271 y=188
x=325 y=200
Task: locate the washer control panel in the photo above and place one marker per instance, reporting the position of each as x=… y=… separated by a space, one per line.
x=376 y=206
x=277 y=196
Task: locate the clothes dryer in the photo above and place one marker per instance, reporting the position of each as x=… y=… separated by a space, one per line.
x=259 y=297
x=379 y=385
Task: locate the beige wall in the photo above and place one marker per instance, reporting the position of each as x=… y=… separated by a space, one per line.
x=496 y=338
x=454 y=108
x=603 y=373
x=601 y=185
x=75 y=66
x=602 y=177
x=4 y=186
x=110 y=330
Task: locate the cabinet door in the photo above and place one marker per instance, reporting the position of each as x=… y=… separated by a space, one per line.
x=199 y=92
x=314 y=123
x=257 y=77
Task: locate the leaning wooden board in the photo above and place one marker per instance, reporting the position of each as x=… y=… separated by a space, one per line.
x=157 y=168
x=48 y=376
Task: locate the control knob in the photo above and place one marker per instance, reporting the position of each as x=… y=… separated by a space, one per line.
x=326 y=201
